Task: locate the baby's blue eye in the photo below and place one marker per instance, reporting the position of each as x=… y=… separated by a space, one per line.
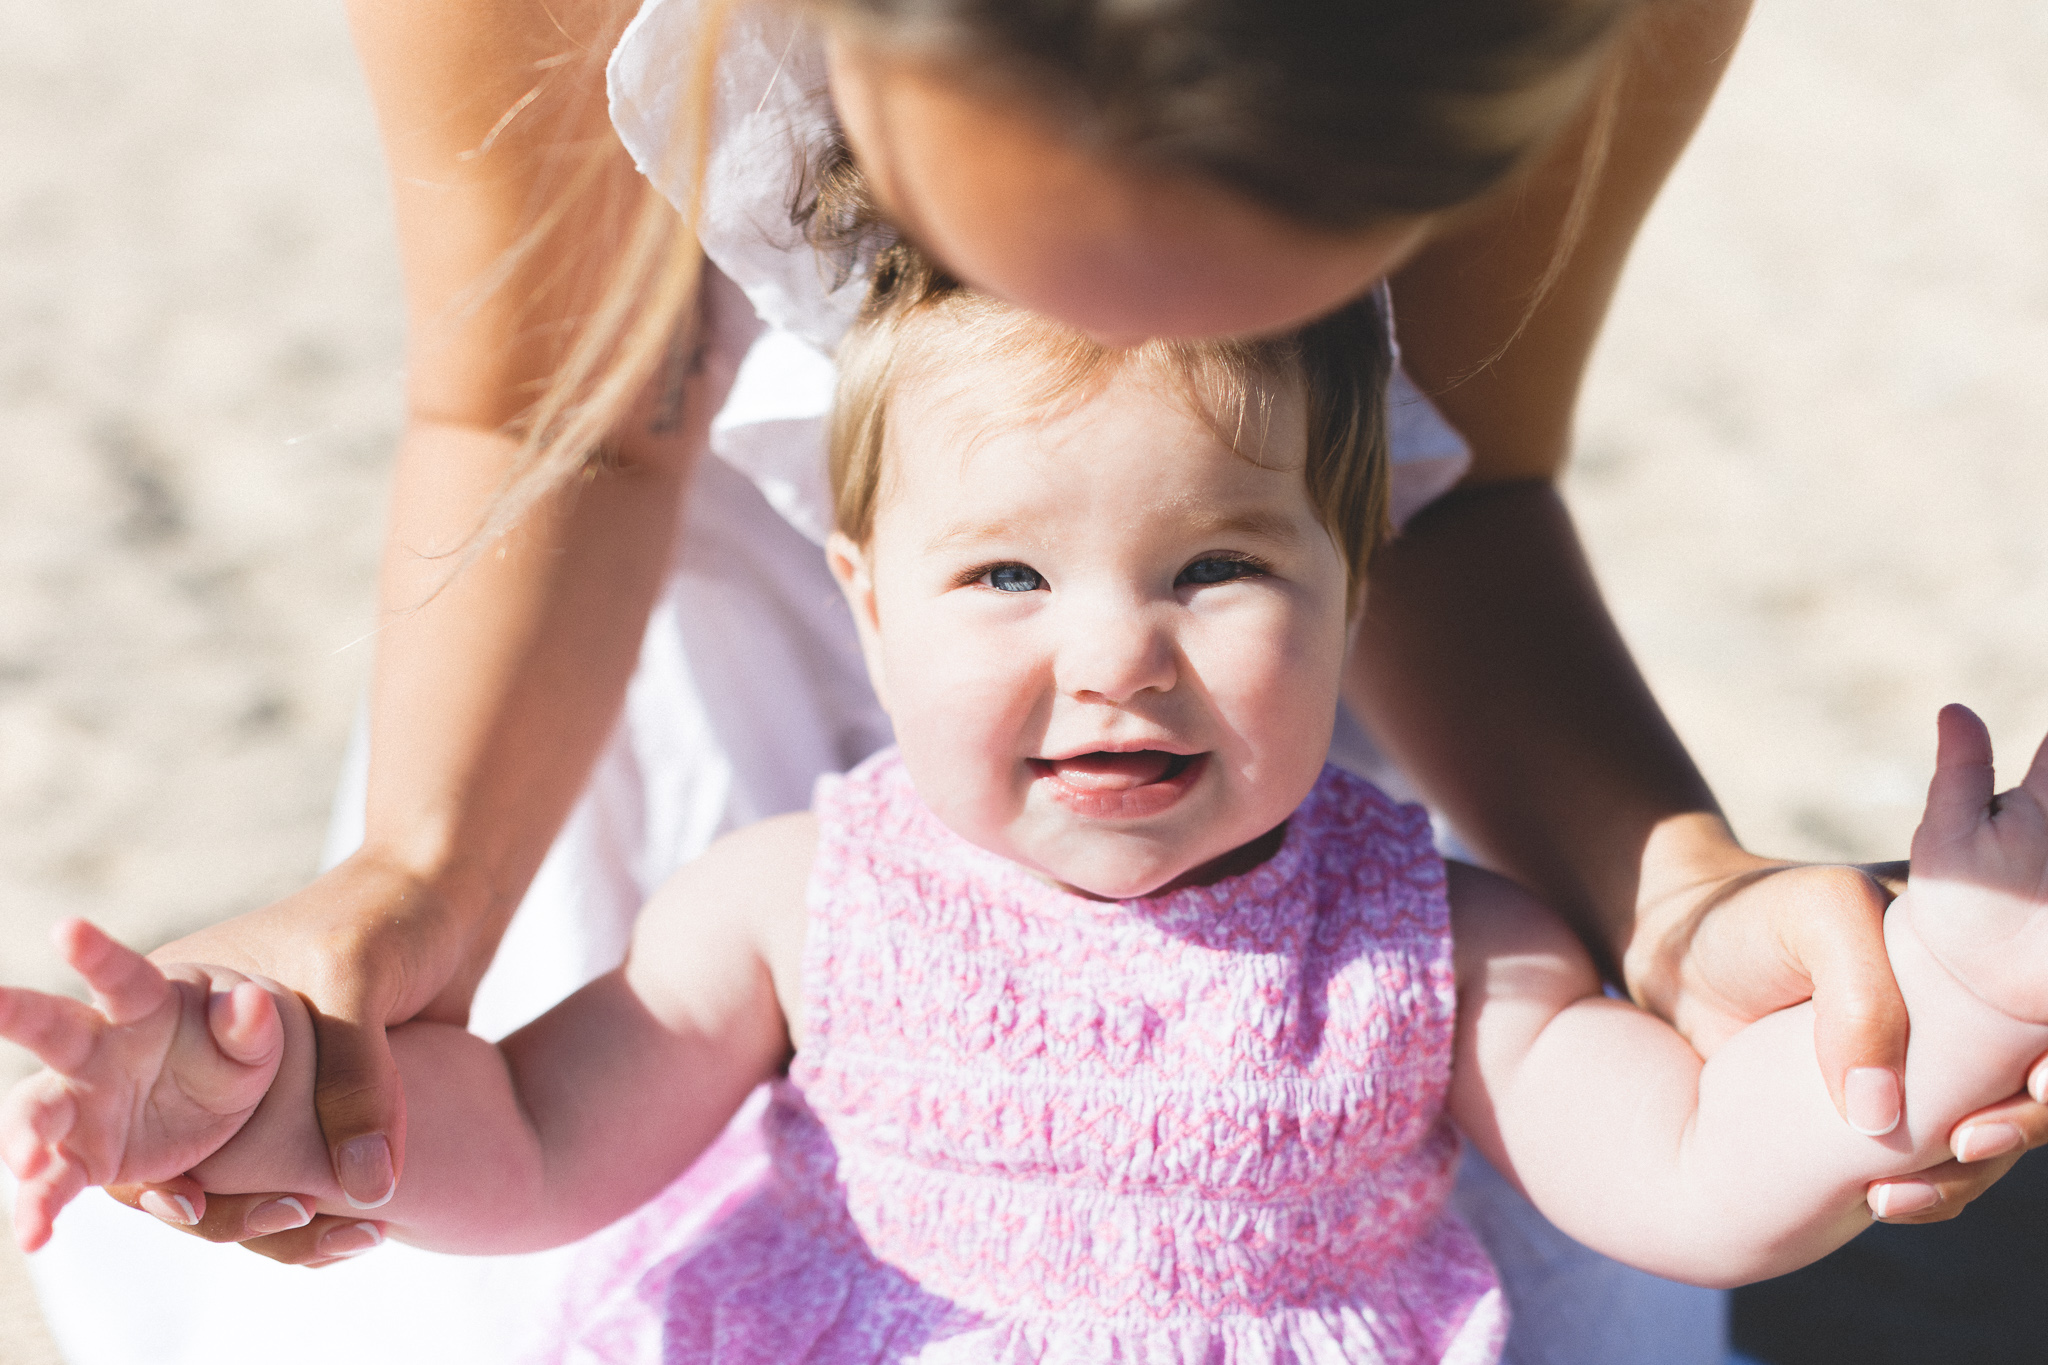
x=1014 y=578
x=1215 y=570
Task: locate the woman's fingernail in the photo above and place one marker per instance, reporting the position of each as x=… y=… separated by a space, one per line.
x=352 y=1239
x=279 y=1215
x=363 y=1168
x=2037 y=1084
x=172 y=1208
x=1871 y=1095
x=1981 y=1140
x=1898 y=1198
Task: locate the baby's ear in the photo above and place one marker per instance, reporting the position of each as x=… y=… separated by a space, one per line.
x=851 y=566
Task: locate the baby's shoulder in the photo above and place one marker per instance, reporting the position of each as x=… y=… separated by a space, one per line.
x=746 y=890
x=732 y=911
x=1506 y=940
x=760 y=873
x=776 y=856
x=794 y=834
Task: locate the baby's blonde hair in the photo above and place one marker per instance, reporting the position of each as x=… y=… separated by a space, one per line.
x=917 y=321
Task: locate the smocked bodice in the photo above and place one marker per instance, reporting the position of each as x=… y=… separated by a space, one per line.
x=1026 y=1126
x=1208 y=1118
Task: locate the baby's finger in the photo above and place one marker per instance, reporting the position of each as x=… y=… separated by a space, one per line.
x=37 y=1116
x=1960 y=792
x=43 y=1199
x=58 y=1030
x=245 y=1024
x=21 y=1151
x=31 y=1222
x=2036 y=780
x=124 y=983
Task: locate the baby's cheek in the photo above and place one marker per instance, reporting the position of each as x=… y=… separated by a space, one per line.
x=1283 y=695
x=960 y=755
x=969 y=799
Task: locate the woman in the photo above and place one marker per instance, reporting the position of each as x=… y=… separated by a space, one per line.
x=1497 y=681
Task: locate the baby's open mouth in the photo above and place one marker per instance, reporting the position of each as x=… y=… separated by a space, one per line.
x=1121 y=784
x=1103 y=771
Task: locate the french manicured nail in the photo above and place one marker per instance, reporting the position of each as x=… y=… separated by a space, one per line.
x=1871 y=1095
x=2037 y=1084
x=1898 y=1198
x=172 y=1208
x=363 y=1166
x=1981 y=1140
x=351 y=1239
x=279 y=1215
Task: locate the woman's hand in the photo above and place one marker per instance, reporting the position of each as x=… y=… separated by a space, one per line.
x=367 y=945
x=1754 y=935
x=1739 y=936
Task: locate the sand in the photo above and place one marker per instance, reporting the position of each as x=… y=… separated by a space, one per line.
x=1809 y=468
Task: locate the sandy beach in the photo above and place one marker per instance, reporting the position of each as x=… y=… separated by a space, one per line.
x=1810 y=468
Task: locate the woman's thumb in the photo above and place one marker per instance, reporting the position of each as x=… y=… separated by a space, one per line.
x=1860 y=1026
x=361 y=1107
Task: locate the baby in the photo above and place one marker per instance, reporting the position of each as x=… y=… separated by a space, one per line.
x=1102 y=1019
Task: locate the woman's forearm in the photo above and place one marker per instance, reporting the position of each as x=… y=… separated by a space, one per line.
x=501 y=666
x=1488 y=664
x=1489 y=668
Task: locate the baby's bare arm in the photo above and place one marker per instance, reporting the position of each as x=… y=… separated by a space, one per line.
x=1717 y=1173
x=1736 y=1169
x=590 y=1110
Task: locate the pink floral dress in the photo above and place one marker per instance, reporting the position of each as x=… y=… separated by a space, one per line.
x=1026 y=1126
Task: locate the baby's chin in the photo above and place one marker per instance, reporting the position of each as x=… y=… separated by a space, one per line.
x=1099 y=865
x=1123 y=874
x=1203 y=838
x=1099 y=888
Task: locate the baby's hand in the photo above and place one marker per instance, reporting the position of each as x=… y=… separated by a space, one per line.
x=142 y=1085
x=1979 y=890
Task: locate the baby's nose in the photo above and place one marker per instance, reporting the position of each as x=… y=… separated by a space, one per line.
x=1114 y=655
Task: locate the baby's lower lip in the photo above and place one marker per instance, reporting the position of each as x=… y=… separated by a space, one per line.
x=1126 y=786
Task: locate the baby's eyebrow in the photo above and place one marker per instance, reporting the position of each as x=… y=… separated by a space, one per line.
x=974 y=533
x=1259 y=523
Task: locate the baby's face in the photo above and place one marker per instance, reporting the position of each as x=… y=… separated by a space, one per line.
x=1110 y=644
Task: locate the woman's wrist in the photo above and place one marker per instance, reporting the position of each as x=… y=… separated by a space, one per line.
x=446 y=914
x=441 y=883
x=1690 y=863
